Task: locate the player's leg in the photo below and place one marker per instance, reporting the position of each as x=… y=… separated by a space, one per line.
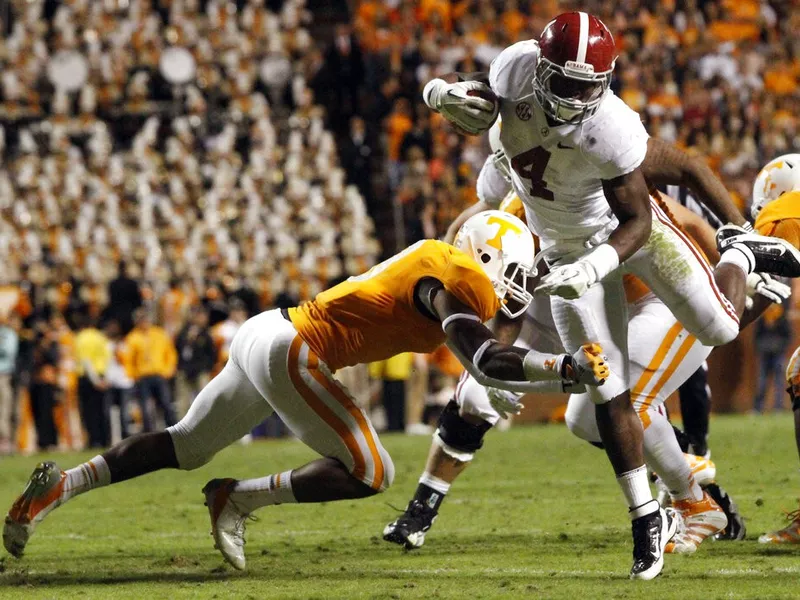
x=791 y=533
x=601 y=315
x=663 y=356
x=227 y=408
x=462 y=425
x=695 y=402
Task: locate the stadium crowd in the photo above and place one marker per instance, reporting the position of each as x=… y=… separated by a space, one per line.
x=155 y=213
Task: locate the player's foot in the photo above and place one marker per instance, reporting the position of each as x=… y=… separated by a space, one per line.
x=410 y=528
x=788 y=535
x=228 y=521
x=730 y=231
x=766 y=254
x=736 y=529
x=704 y=470
x=651 y=533
x=41 y=495
x=700 y=519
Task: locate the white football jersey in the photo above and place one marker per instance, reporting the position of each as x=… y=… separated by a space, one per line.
x=558 y=171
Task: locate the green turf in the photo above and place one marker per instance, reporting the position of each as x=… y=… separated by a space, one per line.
x=537 y=516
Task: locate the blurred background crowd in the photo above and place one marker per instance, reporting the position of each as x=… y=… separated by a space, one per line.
x=171 y=167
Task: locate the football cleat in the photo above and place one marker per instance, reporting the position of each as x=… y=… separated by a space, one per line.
x=651 y=533
x=410 y=528
x=736 y=529
x=228 y=521
x=42 y=494
x=729 y=231
x=766 y=254
x=788 y=535
x=704 y=470
x=699 y=520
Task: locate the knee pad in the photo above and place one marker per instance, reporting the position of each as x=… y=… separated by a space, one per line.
x=457 y=437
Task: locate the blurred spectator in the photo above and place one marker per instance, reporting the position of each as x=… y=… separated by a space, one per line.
x=92 y=357
x=393 y=374
x=151 y=359
x=196 y=358
x=44 y=391
x=224 y=332
x=124 y=297
x=9 y=345
x=773 y=336
x=119 y=383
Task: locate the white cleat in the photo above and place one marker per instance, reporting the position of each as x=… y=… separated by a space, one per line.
x=228 y=522
x=700 y=519
x=42 y=494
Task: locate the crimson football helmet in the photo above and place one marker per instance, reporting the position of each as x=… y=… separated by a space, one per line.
x=573 y=71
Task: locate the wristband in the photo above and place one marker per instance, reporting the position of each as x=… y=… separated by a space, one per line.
x=603 y=260
x=538 y=366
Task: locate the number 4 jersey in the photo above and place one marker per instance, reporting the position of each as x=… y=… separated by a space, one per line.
x=558 y=170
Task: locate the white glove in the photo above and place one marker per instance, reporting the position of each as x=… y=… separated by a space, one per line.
x=588 y=366
x=571 y=281
x=504 y=402
x=568 y=281
x=772 y=289
x=473 y=114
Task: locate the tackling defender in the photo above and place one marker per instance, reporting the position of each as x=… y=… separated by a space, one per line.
x=576 y=153
x=283 y=361
x=776 y=211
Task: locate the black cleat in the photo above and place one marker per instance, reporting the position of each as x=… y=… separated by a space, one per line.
x=766 y=254
x=410 y=528
x=729 y=231
x=736 y=529
x=650 y=536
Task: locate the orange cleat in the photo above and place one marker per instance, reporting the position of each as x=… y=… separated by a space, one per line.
x=40 y=497
x=700 y=519
x=788 y=535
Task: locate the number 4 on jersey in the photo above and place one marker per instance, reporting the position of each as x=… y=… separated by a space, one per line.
x=531 y=165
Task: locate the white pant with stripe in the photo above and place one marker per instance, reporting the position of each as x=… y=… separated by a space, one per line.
x=271 y=369
x=677 y=274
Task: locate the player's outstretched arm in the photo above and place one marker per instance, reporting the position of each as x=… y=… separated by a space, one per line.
x=494 y=364
x=666 y=164
x=629 y=200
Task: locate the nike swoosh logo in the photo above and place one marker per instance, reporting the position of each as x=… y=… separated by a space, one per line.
x=563 y=147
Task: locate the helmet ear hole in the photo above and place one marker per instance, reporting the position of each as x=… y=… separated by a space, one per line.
x=485 y=258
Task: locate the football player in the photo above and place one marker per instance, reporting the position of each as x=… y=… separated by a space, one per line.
x=776 y=211
x=576 y=153
x=283 y=361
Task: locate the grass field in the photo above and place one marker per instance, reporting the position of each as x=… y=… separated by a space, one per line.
x=537 y=516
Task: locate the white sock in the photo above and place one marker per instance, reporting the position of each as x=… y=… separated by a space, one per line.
x=739 y=255
x=250 y=494
x=433 y=482
x=85 y=477
x=664 y=454
x=635 y=486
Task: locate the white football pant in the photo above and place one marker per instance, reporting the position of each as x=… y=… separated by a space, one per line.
x=271 y=368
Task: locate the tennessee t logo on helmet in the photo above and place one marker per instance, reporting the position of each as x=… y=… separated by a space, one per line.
x=503 y=247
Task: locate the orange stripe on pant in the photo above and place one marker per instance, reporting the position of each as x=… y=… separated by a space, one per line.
x=327 y=414
x=658 y=358
x=683 y=350
x=343 y=399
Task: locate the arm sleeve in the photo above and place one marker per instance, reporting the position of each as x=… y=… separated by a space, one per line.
x=511 y=72
x=521 y=387
x=492 y=187
x=467 y=283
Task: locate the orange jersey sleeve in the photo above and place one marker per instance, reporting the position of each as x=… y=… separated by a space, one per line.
x=374 y=316
x=781 y=218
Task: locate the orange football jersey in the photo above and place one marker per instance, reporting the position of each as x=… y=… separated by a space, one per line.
x=781 y=218
x=373 y=316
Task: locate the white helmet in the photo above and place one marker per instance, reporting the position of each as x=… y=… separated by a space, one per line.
x=503 y=246
x=498 y=154
x=779 y=176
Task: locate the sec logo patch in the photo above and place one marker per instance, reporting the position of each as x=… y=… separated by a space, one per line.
x=523 y=111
